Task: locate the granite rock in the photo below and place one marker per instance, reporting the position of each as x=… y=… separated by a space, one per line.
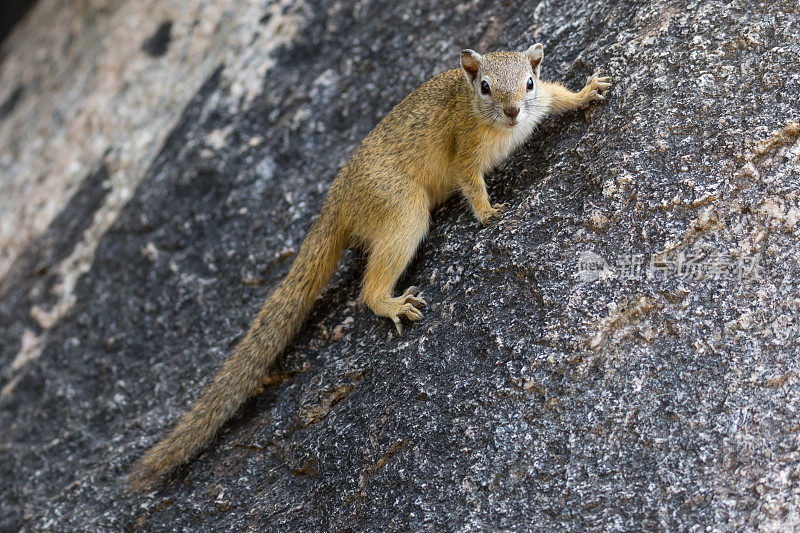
x=617 y=352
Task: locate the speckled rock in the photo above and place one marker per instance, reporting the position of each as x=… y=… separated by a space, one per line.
x=617 y=352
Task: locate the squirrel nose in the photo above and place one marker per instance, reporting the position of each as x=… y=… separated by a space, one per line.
x=511 y=111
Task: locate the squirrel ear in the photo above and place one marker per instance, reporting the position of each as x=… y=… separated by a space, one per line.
x=470 y=61
x=535 y=54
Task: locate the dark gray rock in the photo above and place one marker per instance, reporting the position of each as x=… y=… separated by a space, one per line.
x=528 y=398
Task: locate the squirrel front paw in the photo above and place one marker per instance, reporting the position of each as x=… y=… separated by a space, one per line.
x=491 y=213
x=594 y=89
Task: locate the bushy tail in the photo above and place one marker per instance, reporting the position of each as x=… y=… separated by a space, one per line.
x=238 y=379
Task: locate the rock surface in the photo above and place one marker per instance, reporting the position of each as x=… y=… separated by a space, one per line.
x=565 y=375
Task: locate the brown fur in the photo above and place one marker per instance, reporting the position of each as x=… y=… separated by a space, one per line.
x=440 y=139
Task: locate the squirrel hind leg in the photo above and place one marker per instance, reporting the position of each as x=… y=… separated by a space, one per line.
x=389 y=255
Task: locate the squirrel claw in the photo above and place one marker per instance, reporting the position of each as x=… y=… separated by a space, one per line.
x=494 y=212
x=410 y=312
x=604 y=82
x=407 y=304
x=595 y=86
x=413 y=296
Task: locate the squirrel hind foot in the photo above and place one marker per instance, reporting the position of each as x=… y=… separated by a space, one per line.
x=404 y=306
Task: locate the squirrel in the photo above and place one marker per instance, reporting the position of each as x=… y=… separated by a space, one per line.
x=441 y=138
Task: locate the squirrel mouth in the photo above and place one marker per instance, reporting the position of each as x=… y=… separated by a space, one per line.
x=510 y=122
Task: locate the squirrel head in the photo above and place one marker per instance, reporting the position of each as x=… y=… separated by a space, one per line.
x=504 y=85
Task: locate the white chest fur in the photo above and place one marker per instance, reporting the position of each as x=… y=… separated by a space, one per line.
x=502 y=141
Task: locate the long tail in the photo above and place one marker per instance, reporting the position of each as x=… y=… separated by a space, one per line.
x=238 y=379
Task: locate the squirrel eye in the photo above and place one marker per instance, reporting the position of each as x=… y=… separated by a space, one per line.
x=485 y=87
x=530 y=84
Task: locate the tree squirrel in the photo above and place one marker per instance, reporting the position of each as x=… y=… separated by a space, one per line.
x=440 y=139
